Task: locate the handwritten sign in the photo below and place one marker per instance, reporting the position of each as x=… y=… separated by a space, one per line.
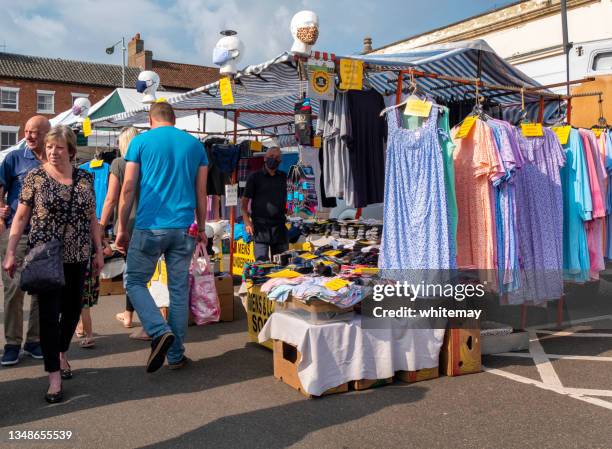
x=351 y=74
x=562 y=133
x=532 y=129
x=418 y=108
x=225 y=88
x=466 y=127
x=336 y=284
x=87 y=127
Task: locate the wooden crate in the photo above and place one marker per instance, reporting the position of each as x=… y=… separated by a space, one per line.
x=286 y=360
x=365 y=384
x=418 y=376
x=109 y=287
x=460 y=352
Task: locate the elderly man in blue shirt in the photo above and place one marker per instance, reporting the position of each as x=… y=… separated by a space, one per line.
x=13 y=170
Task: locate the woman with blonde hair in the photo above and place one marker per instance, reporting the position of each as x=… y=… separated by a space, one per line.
x=58 y=202
x=115 y=181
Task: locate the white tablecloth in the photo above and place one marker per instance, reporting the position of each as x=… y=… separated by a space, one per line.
x=335 y=353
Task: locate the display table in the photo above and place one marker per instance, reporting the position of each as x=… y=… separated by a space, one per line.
x=335 y=353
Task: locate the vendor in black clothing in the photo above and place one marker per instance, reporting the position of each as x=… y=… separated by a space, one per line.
x=267 y=190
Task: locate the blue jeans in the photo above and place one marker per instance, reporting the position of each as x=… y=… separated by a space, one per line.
x=145 y=249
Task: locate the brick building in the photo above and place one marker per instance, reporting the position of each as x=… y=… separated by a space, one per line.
x=31 y=85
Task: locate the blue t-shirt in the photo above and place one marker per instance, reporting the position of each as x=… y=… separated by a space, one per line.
x=100 y=175
x=169 y=161
x=13 y=170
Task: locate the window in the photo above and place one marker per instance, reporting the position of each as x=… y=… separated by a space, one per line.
x=603 y=61
x=76 y=95
x=8 y=136
x=45 y=101
x=9 y=99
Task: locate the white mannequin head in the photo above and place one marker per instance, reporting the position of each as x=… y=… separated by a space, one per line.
x=80 y=108
x=147 y=84
x=228 y=52
x=305 y=31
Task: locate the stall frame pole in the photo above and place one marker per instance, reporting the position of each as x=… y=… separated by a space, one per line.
x=233 y=209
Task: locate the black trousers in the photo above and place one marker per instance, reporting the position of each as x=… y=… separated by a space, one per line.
x=59 y=315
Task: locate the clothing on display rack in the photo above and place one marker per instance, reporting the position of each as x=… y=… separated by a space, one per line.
x=100 y=171
x=216 y=180
x=607 y=144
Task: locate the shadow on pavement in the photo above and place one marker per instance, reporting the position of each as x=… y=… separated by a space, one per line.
x=282 y=426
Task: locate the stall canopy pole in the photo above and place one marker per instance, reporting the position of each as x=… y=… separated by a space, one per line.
x=233 y=208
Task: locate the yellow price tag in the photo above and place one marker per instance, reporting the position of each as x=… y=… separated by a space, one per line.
x=96 y=163
x=532 y=129
x=225 y=88
x=366 y=270
x=316 y=142
x=336 y=284
x=161 y=100
x=351 y=74
x=255 y=145
x=286 y=273
x=466 y=127
x=327 y=262
x=332 y=252
x=308 y=256
x=87 y=127
x=418 y=108
x=597 y=131
x=562 y=133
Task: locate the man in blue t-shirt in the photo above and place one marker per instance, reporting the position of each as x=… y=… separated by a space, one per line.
x=170 y=167
x=13 y=170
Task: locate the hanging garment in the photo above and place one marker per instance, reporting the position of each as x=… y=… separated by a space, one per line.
x=539 y=199
x=477 y=165
x=577 y=209
x=367 y=147
x=506 y=139
x=334 y=126
x=215 y=180
x=416 y=232
x=608 y=165
x=448 y=148
x=100 y=174
x=594 y=228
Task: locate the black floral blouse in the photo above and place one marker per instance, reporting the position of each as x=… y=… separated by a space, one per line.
x=50 y=202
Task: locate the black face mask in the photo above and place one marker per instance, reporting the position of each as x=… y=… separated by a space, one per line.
x=272 y=163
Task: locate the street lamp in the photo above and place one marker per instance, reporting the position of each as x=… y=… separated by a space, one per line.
x=110 y=50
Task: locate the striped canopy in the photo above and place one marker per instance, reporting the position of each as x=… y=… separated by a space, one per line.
x=265 y=94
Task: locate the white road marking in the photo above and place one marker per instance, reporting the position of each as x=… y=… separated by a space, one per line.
x=589 y=358
x=542 y=363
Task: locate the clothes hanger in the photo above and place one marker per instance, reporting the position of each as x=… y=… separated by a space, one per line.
x=602 y=123
x=413 y=90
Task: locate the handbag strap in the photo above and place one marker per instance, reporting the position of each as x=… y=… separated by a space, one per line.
x=70 y=204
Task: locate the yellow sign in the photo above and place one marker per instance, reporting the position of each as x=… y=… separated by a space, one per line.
x=351 y=74
x=87 y=127
x=160 y=275
x=255 y=145
x=259 y=309
x=336 y=284
x=96 y=163
x=316 y=141
x=366 y=270
x=327 y=262
x=161 y=100
x=332 y=252
x=532 y=129
x=466 y=127
x=562 y=133
x=289 y=274
x=418 y=108
x=597 y=131
x=243 y=253
x=308 y=256
x=225 y=88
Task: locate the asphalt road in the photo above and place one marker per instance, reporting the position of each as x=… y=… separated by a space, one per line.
x=227 y=398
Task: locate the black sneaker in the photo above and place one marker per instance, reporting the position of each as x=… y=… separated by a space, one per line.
x=11 y=355
x=180 y=364
x=34 y=350
x=159 y=348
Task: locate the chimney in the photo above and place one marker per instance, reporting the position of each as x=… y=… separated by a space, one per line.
x=137 y=55
x=367 y=44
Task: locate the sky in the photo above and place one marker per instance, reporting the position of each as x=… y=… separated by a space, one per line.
x=187 y=30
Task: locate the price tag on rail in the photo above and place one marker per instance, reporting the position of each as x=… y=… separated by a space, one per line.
x=562 y=133
x=231 y=194
x=336 y=284
x=532 y=129
x=225 y=88
x=418 y=107
x=351 y=74
x=466 y=127
x=597 y=131
x=308 y=256
x=87 y=127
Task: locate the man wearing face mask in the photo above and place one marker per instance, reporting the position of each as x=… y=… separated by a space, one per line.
x=267 y=192
x=13 y=170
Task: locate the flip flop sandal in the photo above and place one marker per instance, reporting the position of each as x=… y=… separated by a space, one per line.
x=88 y=343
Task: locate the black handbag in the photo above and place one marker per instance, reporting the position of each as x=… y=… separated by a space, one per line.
x=43 y=266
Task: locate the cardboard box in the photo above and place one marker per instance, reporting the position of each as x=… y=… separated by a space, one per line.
x=224 y=283
x=418 y=376
x=109 y=287
x=225 y=292
x=286 y=360
x=365 y=384
x=460 y=352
